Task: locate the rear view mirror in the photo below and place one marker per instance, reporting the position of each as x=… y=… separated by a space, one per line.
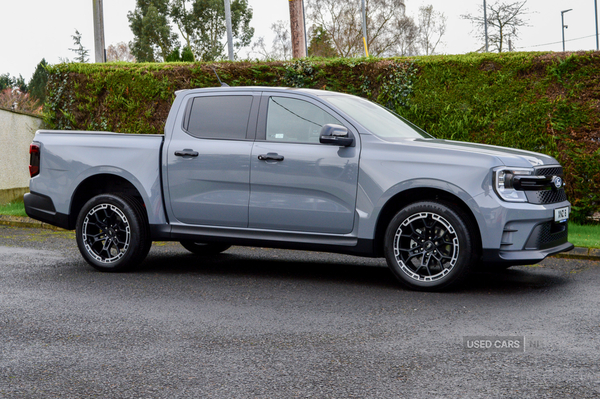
x=336 y=135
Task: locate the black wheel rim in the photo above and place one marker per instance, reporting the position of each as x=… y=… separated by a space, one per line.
x=426 y=247
x=106 y=233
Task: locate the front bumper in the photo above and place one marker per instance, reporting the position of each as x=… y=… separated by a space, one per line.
x=521 y=233
x=525 y=242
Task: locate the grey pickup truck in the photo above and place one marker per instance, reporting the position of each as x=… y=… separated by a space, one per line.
x=300 y=169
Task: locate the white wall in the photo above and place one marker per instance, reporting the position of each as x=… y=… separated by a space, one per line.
x=16 y=133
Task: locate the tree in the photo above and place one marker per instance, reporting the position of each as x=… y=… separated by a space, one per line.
x=320 y=44
x=432 y=26
x=406 y=42
x=186 y=55
x=341 y=19
x=181 y=12
x=21 y=85
x=153 y=39
x=6 y=81
x=18 y=101
x=200 y=22
x=119 y=52
x=14 y=95
x=37 y=85
x=504 y=21
x=82 y=52
x=202 y=25
x=281 y=48
x=11 y=82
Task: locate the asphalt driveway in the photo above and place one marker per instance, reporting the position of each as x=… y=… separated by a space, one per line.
x=263 y=323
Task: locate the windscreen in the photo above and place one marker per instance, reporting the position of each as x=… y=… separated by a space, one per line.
x=380 y=121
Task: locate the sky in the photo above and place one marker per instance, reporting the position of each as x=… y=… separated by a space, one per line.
x=36 y=29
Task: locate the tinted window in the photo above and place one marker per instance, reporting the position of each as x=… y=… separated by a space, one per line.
x=222 y=117
x=289 y=119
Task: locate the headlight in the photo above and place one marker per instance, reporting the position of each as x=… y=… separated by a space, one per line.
x=504 y=183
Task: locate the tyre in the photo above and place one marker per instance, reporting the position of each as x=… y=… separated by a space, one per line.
x=203 y=248
x=113 y=233
x=429 y=246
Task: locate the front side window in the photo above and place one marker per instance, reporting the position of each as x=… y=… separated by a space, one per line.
x=219 y=117
x=292 y=120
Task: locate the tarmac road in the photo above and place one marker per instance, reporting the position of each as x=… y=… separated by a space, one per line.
x=263 y=323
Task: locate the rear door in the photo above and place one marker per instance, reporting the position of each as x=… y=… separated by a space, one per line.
x=208 y=172
x=298 y=184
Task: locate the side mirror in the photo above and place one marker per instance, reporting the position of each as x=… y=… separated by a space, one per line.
x=336 y=135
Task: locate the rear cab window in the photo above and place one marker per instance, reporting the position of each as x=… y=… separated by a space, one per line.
x=219 y=117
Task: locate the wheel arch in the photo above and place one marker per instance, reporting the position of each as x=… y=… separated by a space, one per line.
x=101 y=184
x=404 y=198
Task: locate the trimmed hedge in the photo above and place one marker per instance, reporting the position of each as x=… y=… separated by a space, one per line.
x=544 y=102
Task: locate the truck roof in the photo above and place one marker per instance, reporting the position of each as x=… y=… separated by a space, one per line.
x=314 y=92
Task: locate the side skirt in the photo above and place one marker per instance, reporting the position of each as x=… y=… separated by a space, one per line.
x=266 y=238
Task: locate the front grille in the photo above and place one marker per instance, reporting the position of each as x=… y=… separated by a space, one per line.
x=551 y=233
x=546 y=196
x=549 y=171
x=543 y=191
x=547 y=235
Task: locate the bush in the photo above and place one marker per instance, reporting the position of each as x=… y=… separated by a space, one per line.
x=540 y=102
x=15 y=100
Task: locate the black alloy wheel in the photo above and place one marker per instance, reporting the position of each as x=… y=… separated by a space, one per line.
x=112 y=232
x=428 y=246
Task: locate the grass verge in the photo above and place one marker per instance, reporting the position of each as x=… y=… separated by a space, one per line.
x=587 y=236
x=16 y=208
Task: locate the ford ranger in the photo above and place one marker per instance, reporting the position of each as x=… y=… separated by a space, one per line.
x=300 y=169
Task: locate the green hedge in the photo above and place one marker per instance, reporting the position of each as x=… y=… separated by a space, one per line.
x=544 y=102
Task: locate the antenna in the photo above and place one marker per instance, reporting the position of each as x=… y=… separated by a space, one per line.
x=217 y=75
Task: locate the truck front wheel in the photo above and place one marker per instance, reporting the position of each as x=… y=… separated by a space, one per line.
x=429 y=246
x=112 y=233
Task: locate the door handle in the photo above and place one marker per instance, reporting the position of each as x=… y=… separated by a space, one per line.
x=186 y=153
x=271 y=156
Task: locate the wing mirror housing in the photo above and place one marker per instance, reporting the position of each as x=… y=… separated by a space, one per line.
x=336 y=135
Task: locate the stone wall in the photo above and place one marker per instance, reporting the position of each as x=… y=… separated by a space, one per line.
x=16 y=133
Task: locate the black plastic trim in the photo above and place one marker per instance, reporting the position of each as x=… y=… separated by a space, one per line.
x=547 y=234
x=161 y=179
x=495 y=257
x=41 y=207
x=268 y=239
x=160 y=232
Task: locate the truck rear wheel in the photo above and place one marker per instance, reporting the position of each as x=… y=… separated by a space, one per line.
x=203 y=248
x=112 y=233
x=429 y=247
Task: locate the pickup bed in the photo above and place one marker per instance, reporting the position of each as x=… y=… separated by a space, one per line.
x=301 y=169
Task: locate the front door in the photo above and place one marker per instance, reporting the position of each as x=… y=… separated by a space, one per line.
x=298 y=184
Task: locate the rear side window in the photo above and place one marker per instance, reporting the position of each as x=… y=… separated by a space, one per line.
x=219 y=117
